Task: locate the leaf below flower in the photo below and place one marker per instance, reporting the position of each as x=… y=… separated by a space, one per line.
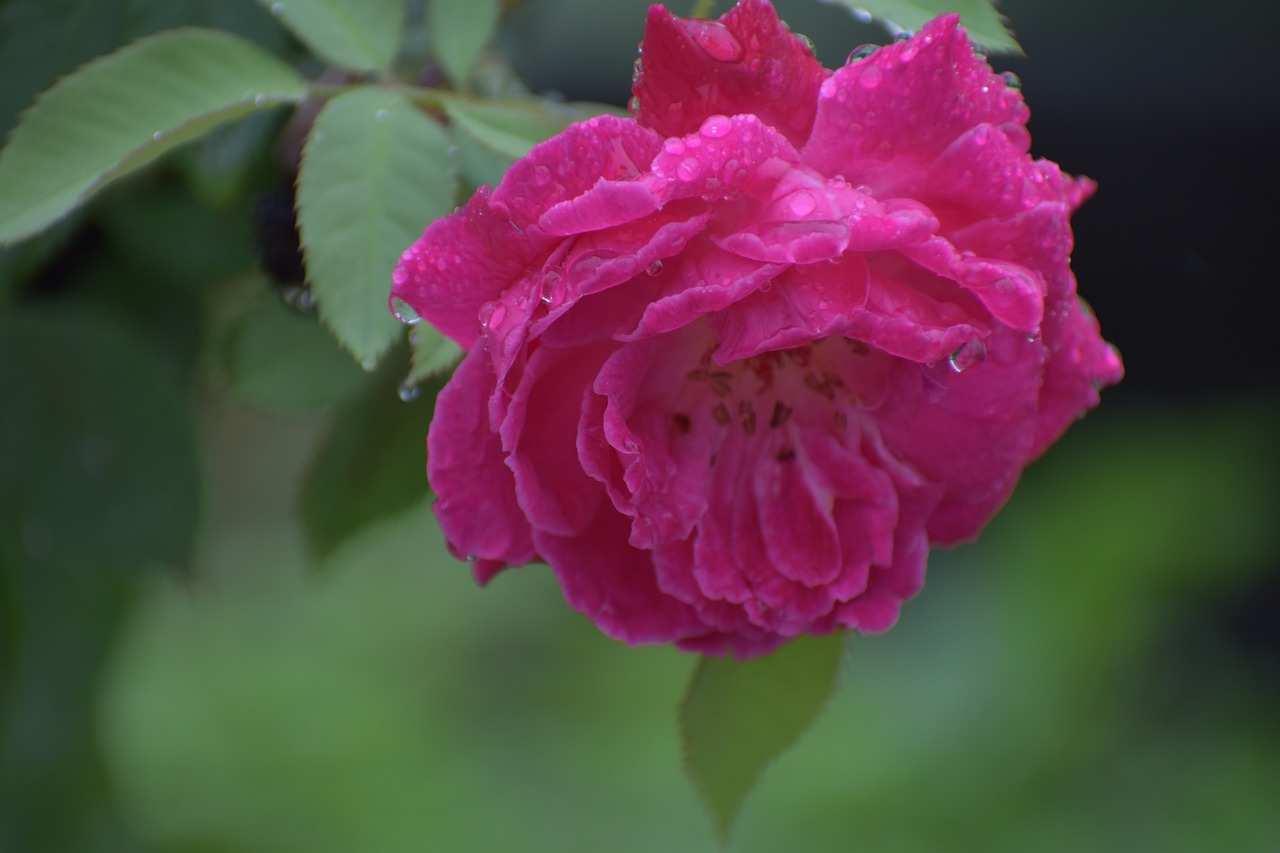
x=738 y=716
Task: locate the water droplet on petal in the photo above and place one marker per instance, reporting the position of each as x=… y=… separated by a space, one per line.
x=802 y=203
x=767 y=286
x=408 y=391
x=716 y=126
x=552 y=288
x=861 y=52
x=909 y=51
x=968 y=355
x=541 y=176
x=653 y=268
x=492 y=314
x=715 y=39
x=1013 y=81
x=689 y=169
x=404 y=312
x=871 y=77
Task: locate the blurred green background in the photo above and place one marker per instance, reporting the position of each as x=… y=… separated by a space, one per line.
x=227 y=621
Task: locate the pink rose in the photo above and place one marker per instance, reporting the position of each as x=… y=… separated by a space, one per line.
x=735 y=363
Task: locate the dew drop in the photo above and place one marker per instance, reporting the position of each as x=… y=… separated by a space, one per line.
x=1012 y=81
x=158 y=135
x=716 y=40
x=715 y=127
x=380 y=115
x=541 y=176
x=767 y=286
x=968 y=355
x=259 y=100
x=871 y=77
x=370 y=364
x=909 y=51
x=277 y=8
x=404 y=312
x=861 y=52
x=861 y=14
x=653 y=268
x=802 y=203
x=689 y=169
x=552 y=289
x=492 y=314
x=408 y=391
x=633 y=105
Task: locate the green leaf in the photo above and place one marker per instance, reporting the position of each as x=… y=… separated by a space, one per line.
x=459 y=29
x=279 y=359
x=375 y=171
x=371 y=466
x=433 y=354
x=362 y=35
x=122 y=111
x=737 y=716
x=980 y=18
x=493 y=135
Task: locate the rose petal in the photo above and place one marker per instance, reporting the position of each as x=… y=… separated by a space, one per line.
x=881 y=118
x=1081 y=364
x=477 y=506
x=605 y=148
x=460 y=263
x=614 y=584
x=747 y=62
x=554 y=492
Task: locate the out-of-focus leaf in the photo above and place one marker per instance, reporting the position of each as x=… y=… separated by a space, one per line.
x=371 y=466
x=279 y=359
x=375 y=171
x=100 y=481
x=97 y=451
x=361 y=35
x=433 y=353
x=174 y=238
x=459 y=29
x=222 y=165
x=122 y=111
x=980 y=18
x=493 y=135
x=19 y=262
x=738 y=716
